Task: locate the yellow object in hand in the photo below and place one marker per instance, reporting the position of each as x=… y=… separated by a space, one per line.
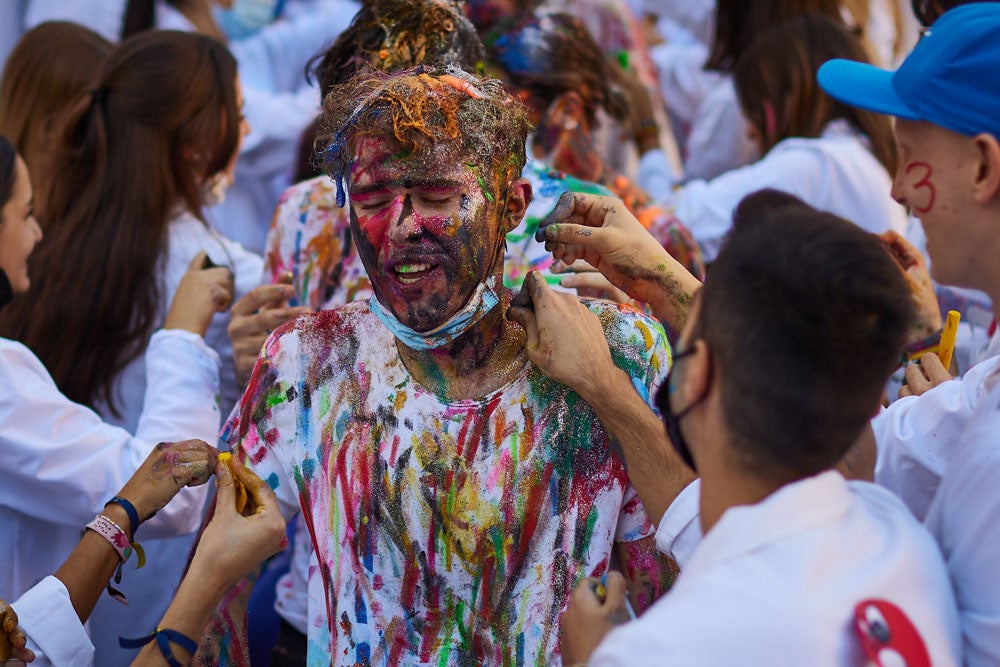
x=947 y=346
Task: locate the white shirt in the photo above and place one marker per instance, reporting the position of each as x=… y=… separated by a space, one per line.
x=62 y=463
x=917 y=436
x=54 y=632
x=776 y=583
x=150 y=589
x=963 y=519
x=835 y=172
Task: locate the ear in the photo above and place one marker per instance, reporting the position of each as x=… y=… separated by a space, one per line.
x=696 y=378
x=518 y=197
x=987 y=184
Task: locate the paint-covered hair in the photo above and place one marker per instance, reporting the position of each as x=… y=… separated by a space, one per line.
x=423 y=108
x=551 y=54
x=390 y=35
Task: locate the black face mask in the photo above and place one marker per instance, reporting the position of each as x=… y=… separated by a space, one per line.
x=6 y=292
x=672 y=420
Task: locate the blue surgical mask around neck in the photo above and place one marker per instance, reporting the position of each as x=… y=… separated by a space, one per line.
x=483 y=300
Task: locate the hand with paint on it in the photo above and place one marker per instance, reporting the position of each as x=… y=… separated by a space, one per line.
x=914 y=267
x=201 y=293
x=588 y=282
x=602 y=232
x=12 y=638
x=588 y=618
x=234 y=542
x=170 y=467
x=564 y=338
x=253 y=318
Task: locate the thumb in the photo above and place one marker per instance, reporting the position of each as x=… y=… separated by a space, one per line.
x=225 y=488
x=617 y=587
x=526 y=318
x=198 y=262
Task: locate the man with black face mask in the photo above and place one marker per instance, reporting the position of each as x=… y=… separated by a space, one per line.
x=783 y=360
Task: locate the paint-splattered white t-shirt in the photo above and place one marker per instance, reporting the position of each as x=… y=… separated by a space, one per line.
x=445 y=533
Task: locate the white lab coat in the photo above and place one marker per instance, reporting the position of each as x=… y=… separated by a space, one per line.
x=963 y=519
x=776 y=583
x=62 y=462
x=835 y=172
x=54 y=632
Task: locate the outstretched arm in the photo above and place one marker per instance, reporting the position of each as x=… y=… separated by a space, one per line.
x=566 y=341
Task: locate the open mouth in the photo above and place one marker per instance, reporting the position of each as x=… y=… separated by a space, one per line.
x=413 y=272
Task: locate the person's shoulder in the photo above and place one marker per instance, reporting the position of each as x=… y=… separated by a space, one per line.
x=351 y=318
x=626 y=326
x=708 y=624
x=318 y=194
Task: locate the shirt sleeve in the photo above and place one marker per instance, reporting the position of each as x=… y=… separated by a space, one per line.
x=917 y=436
x=63 y=462
x=53 y=629
x=679 y=532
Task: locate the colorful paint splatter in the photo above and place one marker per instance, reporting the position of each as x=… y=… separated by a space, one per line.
x=445 y=533
x=310 y=238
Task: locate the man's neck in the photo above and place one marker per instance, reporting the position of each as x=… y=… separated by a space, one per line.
x=480 y=361
x=728 y=487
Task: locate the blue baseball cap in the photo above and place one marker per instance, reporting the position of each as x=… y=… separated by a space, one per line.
x=951 y=78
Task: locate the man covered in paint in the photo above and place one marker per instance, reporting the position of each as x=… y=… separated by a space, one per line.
x=452 y=493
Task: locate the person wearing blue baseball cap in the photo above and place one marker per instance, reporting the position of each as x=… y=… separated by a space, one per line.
x=946 y=99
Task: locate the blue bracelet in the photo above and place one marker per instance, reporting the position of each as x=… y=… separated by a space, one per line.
x=163 y=638
x=133 y=515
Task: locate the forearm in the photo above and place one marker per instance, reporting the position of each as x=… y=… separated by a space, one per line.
x=91 y=564
x=189 y=614
x=654 y=469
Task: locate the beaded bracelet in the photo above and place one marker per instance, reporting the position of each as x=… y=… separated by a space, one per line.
x=163 y=637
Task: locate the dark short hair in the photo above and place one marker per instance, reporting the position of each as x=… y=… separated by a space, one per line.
x=8 y=171
x=806 y=314
x=389 y=35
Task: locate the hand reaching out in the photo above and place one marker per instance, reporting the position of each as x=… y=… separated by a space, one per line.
x=588 y=618
x=918 y=279
x=200 y=295
x=252 y=320
x=602 y=232
x=169 y=468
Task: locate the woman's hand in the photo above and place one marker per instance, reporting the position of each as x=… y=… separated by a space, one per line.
x=169 y=468
x=200 y=295
x=252 y=320
x=234 y=542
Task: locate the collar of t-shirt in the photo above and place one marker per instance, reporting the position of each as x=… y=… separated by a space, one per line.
x=793 y=508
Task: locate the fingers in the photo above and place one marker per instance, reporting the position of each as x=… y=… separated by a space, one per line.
x=198 y=261
x=934 y=369
x=585 y=594
x=526 y=318
x=916 y=380
x=904 y=391
x=577 y=267
x=263 y=296
x=264 y=322
x=8 y=618
x=225 y=487
x=617 y=588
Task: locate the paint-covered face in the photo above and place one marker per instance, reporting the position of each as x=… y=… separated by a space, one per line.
x=426 y=227
x=19 y=232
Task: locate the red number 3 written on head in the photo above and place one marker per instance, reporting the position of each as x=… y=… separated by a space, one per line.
x=923 y=183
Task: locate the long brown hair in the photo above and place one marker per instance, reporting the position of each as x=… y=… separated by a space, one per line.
x=739 y=22
x=776 y=83
x=163 y=117
x=50 y=67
